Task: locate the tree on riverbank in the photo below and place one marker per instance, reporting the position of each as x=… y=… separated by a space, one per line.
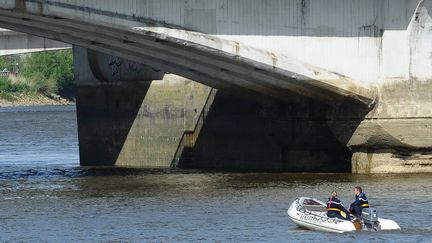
x=52 y=71
x=45 y=73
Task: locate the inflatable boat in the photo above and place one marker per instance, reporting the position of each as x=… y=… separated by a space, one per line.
x=311 y=213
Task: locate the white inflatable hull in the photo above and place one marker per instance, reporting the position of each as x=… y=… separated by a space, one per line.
x=319 y=220
x=316 y=221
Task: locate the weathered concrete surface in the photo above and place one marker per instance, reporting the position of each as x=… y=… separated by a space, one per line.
x=378 y=162
x=170 y=107
x=108 y=68
x=132 y=123
x=12 y=43
x=249 y=132
x=149 y=124
x=395 y=136
x=136 y=124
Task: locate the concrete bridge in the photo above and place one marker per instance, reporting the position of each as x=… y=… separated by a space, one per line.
x=12 y=43
x=296 y=85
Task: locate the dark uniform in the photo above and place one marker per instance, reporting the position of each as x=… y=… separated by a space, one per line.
x=360 y=202
x=335 y=209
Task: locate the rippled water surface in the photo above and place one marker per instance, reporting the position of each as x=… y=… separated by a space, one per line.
x=45 y=196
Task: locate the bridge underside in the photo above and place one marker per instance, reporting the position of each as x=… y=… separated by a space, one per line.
x=13 y=43
x=207 y=59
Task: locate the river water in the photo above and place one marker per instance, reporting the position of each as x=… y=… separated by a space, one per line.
x=46 y=197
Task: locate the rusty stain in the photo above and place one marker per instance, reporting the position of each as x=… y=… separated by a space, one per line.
x=20 y=5
x=237 y=47
x=303 y=10
x=274 y=59
x=417 y=16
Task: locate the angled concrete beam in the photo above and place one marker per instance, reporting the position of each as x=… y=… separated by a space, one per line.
x=293 y=69
x=12 y=43
x=203 y=58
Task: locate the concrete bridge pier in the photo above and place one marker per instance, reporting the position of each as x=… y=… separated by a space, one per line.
x=131 y=115
x=252 y=132
x=395 y=136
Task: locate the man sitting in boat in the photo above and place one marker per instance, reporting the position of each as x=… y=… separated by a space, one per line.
x=360 y=202
x=335 y=209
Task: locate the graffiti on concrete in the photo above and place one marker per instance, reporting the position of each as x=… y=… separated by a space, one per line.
x=115 y=64
x=128 y=67
x=132 y=67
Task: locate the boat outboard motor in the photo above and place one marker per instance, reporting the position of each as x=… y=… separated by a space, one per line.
x=370 y=218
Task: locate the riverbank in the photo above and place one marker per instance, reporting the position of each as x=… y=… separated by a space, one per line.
x=34 y=99
x=37 y=79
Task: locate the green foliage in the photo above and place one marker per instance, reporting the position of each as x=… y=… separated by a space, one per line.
x=8 y=89
x=50 y=71
x=44 y=85
x=43 y=72
x=3 y=63
x=9 y=62
x=4 y=84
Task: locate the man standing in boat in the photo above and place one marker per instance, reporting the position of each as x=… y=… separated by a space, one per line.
x=360 y=202
x=335 y=209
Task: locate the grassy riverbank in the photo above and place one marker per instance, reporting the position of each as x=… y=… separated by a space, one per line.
x=44 y=78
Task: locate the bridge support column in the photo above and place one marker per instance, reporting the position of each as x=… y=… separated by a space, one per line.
x=127 y=119
x=135 y=124
x=250 y=132
x=107 y=123
x=128 y=122
x=395 y=136
x=391 y=161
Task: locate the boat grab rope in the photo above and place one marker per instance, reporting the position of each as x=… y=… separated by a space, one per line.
x=322 y=218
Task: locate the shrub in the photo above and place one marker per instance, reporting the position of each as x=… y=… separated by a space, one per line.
x=8 y=89
x=50 y=67
x=43 y=85
x=5 y=85
x=43 y=72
